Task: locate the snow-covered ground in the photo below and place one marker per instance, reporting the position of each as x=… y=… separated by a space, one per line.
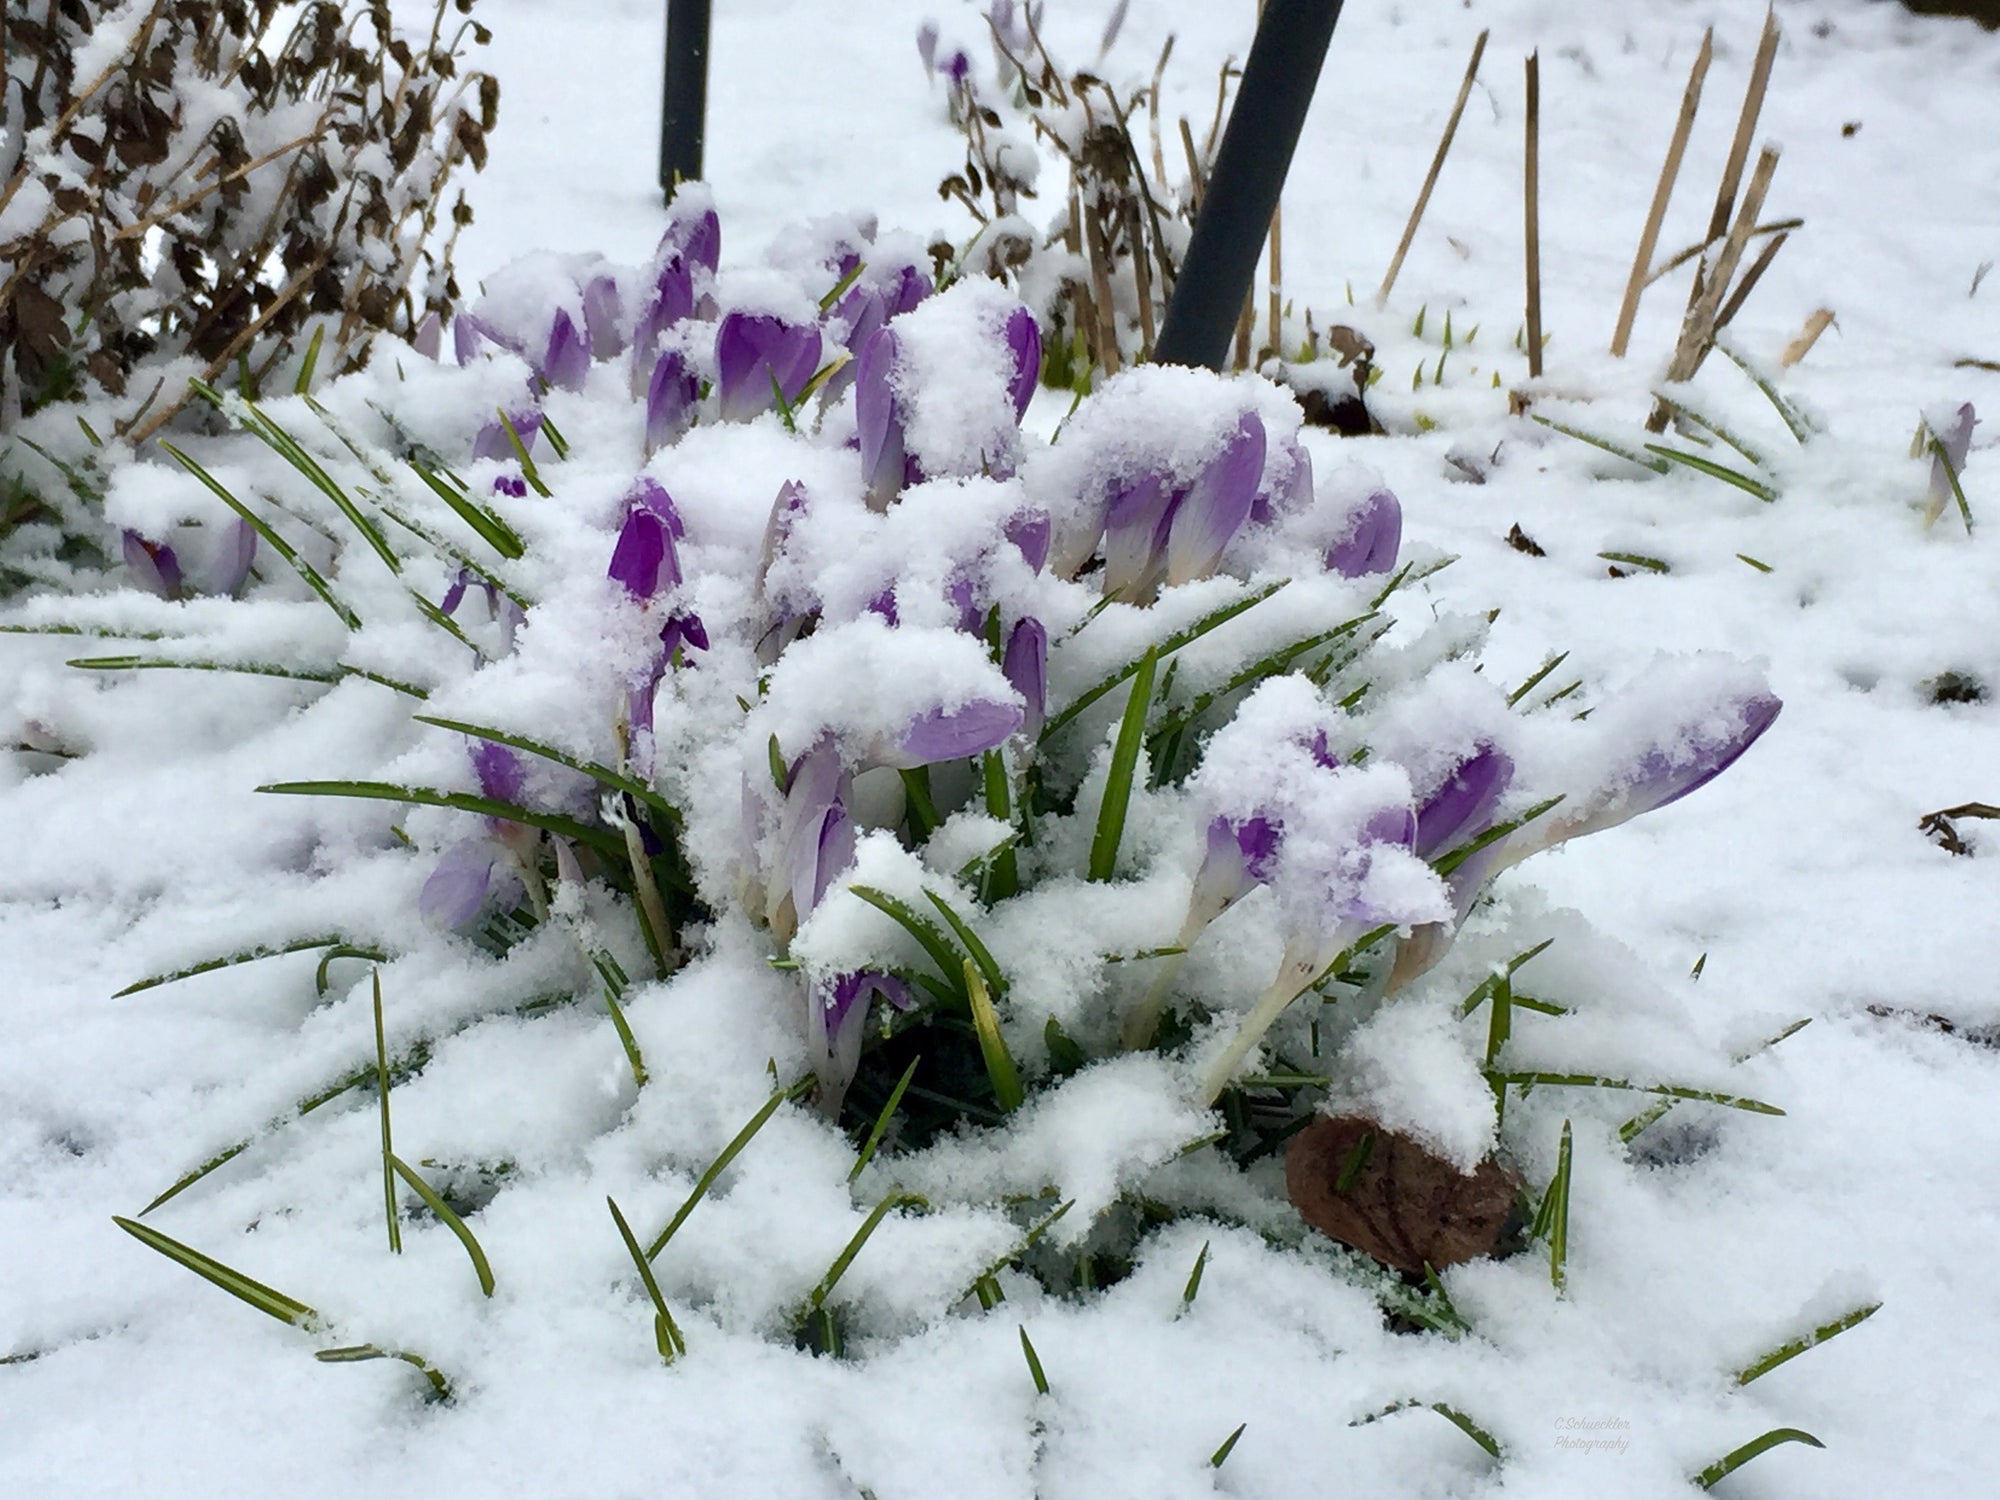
x=1799 y=879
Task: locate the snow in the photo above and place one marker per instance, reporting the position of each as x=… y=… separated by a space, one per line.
x=1798 y=877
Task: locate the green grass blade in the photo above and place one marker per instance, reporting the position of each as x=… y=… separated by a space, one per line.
x=1041 y=1227
x=161 y=663
x=1124 y=766
x=1269 y=666
x=1795 y=421
x=992 y=1045
x=310 y=363
x=895 y=1198
x=1035 y=1372
x=1559 y=1217
x=1451 y=1414
x=1657 y=465
x=1193 y=1287
x=1729 y=1463
x=989 y=967
x=381 y=791
x=1951 y=475
x=881 y=1125
x=266 y=1300
x=359 y=1353
x=626 y=1040
x=528 y=470
x=1682 y=409
x=489 y=528
x=1637 y=560
x=1811 y=1340
x=930 y=937
x=1535 y=678
x=666 y=1333
x=1221 y=1455
x=388 y=1147
x=1192 y=633
x=342 y=950
x=1666 y=1090
x=270 y=538
x=246 y=956
x=451 y=1221
x=721 y=1163
x=1654 y=1113
x=1444 y=864
x=1715 y=470
x=289 y=448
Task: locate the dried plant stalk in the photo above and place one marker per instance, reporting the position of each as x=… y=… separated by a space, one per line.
x=1800 y=347
x=1277 y=280
x=1437 y=166
x=1663 y=191
x=1739 y=148
x=1532 y=210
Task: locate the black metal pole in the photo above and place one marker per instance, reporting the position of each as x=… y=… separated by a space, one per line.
x=685 y=109
x=1256 y=151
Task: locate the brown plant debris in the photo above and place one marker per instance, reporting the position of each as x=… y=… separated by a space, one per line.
x=1390 y=1197
x=1940 y=827
x=1520 y=541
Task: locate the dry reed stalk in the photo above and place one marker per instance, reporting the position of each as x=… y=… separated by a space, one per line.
x=1675 y=262
x=1531 y=197
x=1739 y=148
x=1196 y=183
x=1698 y=329
x=1142 y=282
x=1107 y=306
x=1277 y=308
x=1153 y=116
x=1437 y=166
x=1740 y=293
x=1663 y=191
x=1800 y=347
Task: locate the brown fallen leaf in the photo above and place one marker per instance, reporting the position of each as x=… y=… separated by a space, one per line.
x=1389 y=1196
x=1520 y=541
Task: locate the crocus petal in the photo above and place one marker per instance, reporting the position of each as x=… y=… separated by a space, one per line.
x=603 y=317
x=1217 y=505
x=1373 y=537
x=429 y=337
x=952 y=734
x=503 y=775
x=752 y=350
x=671 y=396
x=1131 y=523
x=1031 y=531
x=878 y=428
x=154 y=566
x=565 y=359
x=927 y=40
x=1956 y=440
x=821 y=857
x=1025 y=664
x=1024 y=342
x=492 y=440
x=455 y=595
x=230 y=566
x=645 y=560
x=836 y=1015
x=455 y=893
x=1463 y=806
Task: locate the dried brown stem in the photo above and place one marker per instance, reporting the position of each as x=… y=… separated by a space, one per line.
x=1531 y=196
x=1437 y=166
x=1739 y=148
x=1800 y=347
x=1663 y=191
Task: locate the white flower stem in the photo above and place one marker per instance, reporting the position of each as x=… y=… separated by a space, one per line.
x=1293 y=977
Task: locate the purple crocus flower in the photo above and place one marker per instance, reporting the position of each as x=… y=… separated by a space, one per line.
x=886 y=467
x=428 y=340
x=231 y=565
x=1216 y=504
x=1024 y=343
x=1372 y=539
x=942 y=734
x=469 y=875
x=1139 y=509
x=836 y=1015
x=671 y=397
x=604 y=317
x=565 y=360
x=753 y=350
x=815 y=838
x=1463 y=804
x=492 y=440
x=645 y=560
x=1031 y=531
x=1025 y=665
x=155 y=565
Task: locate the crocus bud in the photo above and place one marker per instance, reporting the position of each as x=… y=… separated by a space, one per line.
x=755 y=350
x=154 y=565
x=1373 y=536
x=1025 y=665
x=565 y=360
x=1462 y=807
x=1024 y=343
x=1216 y=505
x=645 y=560
x=671 y=397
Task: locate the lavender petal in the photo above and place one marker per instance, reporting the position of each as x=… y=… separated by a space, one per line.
x=1217 y=505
